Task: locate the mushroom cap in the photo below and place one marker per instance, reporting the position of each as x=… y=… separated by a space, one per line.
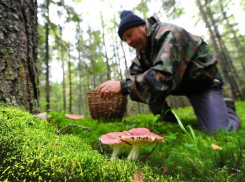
x=137 y=131
x=113 y=138
x=141 y=136
x=73 y=116
x=41 y=116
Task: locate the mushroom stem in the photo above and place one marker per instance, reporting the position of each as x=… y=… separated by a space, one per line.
x=134 y=153
x=116 y=151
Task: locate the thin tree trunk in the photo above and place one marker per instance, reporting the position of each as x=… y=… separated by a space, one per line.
x=219 y=51
x=47 y=86
x=85 y=98
x=241 y=53
x=107 y=60
x=139 y=108
x=63 y=71
x=57 y=97
x=93 y=81
x=116 y=56
x=236 y=92
x=69 y=77
x=126 y=73
x=79 y=77
x=125 y=61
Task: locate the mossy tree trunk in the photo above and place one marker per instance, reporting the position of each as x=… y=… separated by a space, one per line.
x=18 y=54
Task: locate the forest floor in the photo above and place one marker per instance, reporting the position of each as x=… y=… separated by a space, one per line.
x=37 y=150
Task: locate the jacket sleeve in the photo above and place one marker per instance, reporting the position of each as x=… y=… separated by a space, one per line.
x=155 y=84
x=135 y=69
x=174 y=51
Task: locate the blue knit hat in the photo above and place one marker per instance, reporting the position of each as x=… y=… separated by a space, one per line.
x=129 y=20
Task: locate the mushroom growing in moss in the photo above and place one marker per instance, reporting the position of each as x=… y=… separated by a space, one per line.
x=73 y=116
x=138 y=137
x=114 y=140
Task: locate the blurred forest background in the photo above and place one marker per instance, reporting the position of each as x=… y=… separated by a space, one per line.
x=79 y=48
x=52 y=52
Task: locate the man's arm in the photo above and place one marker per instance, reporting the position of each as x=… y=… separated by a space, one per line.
x=155 y=84
x=135 y=69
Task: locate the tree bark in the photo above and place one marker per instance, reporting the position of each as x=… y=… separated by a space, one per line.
x=116 y=56
x=126 y=72
x=63 y=71
x=79 y=72
x=47 y=85
x=69 y=77
x=18 y=54
x=232 y=72
x=107 y=59
x=221 y=51
x=240 y=51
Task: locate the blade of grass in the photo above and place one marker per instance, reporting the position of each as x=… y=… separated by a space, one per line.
x=193 y=137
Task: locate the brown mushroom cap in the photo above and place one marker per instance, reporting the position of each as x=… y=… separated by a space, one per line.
x=113 y=138
x=141 y=136
x=73 y=116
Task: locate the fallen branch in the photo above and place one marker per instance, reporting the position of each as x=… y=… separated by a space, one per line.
x=149 y=154
x=100 y=146
x=85 y=128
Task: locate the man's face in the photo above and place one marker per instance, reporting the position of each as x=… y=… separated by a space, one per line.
x=136 y=37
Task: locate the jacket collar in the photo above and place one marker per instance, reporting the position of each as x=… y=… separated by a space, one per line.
x=151 y=24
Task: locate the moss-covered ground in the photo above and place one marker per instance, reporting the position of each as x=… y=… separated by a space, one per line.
x=31 y=150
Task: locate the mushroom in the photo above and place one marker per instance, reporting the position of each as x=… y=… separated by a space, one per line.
x=114 y=140
x=43 y=116
x=73 y=116
x=138 y=137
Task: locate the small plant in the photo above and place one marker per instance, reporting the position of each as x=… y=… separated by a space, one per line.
x=191 y=135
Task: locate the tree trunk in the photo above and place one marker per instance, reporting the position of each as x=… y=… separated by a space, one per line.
x=69 y=77
x=241 y=52
x=125 y=60
x=212 y=36
x=79 y=72
x=116 y=56
x=18 y=54
x=57 y=97
x=63 y=71
x=47 y=86
x=126 y=72
x=232 y=73
x=220 y=51
x=107 y=60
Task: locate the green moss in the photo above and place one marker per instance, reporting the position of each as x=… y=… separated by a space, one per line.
x=35 y=153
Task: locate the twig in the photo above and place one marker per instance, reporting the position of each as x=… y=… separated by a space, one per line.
x=194 y=163
x=85 y=128
x=236 y=170
x=240 y=153
x=149 y=154
x=231 y=169
x=100 y=146
x=5 y=145
x=74 y=163
x=7 y=126
x=67 y=173
x=62 y=164
x=111 y=114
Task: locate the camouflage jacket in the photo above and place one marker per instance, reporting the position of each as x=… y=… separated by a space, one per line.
x=175 y=62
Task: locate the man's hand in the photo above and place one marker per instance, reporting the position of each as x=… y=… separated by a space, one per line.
x=109 y=89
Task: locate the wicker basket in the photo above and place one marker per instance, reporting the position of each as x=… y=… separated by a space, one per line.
x=106 y=109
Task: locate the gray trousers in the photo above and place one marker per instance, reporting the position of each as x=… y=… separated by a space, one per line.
x=211 y=110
